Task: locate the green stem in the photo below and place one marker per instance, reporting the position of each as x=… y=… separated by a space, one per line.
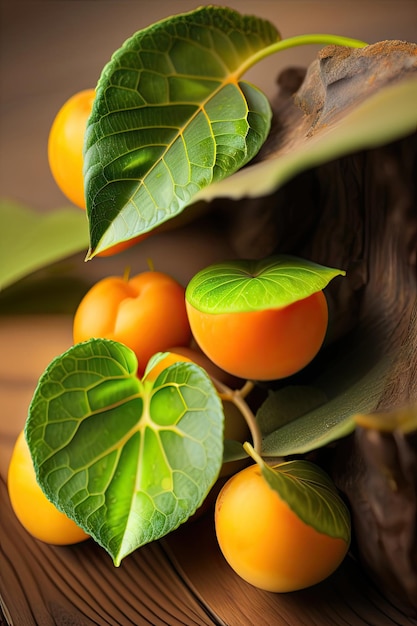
x=300 y=40
x=250 y=451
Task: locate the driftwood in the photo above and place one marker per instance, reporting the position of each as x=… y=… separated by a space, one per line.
x=358 y=212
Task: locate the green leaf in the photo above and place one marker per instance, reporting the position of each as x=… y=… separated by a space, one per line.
x=253 y=285
x=127 y=460
x=233 y=451
x=314 y=430
x=287 y=404
x=170 y=117
x=311 y=494
x=332 y=420
x=385 y=116
x=30 y=240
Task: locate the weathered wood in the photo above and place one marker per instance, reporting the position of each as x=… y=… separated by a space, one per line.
x=46 y=585
x=358 y=213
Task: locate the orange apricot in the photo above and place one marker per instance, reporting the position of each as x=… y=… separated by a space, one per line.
x=265 y=542
x=35 y=512
x=264 y=344
x=146 y=313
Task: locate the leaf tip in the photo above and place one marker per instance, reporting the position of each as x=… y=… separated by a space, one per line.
x=117 y=560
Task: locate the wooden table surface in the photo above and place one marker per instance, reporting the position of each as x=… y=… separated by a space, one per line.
x=49 y=50
x=182 y=579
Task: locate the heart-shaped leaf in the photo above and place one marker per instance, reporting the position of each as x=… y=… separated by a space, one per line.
x=252 y=285
x=128 y=460
x=311 y=494
x=170 y=116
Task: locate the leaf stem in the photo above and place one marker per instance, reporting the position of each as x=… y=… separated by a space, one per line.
x=237 y=396
x=244 y=391
x=300 y=40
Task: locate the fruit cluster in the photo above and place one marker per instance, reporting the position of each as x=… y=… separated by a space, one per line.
x=262 y=536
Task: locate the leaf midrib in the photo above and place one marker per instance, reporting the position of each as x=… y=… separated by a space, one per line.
x=201 y=108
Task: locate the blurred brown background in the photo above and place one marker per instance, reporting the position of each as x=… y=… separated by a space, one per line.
x=50 y=49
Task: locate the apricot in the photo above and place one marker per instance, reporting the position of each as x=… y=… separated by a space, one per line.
x=265 y=344
x=146 y=313
x=265 y=542
x=35 y=512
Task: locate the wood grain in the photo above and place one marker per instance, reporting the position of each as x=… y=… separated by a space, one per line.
x=45 y=585
x=347 y=597
x=181 y=580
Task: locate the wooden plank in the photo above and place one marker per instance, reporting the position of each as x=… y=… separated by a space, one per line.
x=46 y=585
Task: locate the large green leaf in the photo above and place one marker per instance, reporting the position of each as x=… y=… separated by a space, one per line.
x=251 y=285
x=170 y=117
x=385 y=116
x=290 y=429
x=128 y=460
x=30 y=240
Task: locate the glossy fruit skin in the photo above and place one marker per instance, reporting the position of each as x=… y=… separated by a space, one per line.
x=66 y=159
x=170 y=358
x=263 y=345
x=146 y=313
x=263 y=540
x=65 y=145
x=194 y=354
x=32 y=508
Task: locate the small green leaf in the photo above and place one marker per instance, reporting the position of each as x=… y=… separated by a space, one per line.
x=253 y=285
x=30 y=240
x=312 y=495
x=127 y=460
x=233 y=451
x=171 y=116
x=313 y=430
